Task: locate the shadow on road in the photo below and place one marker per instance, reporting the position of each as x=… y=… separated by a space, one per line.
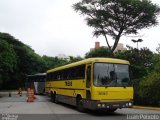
x=103 y=113
x=91 y=112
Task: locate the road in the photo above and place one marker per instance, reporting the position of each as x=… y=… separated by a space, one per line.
x=43 y=109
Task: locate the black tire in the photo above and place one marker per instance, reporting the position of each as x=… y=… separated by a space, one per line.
x=52 y=97
x=55 y=98
x=80 y=105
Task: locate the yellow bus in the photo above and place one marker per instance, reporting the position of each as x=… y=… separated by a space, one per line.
x=94 y=83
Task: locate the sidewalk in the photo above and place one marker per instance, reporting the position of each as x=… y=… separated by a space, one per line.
x=147 y=108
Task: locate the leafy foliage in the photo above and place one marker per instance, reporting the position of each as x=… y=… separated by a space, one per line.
x=149 y=87
x=74 y=59
x=19 y=60
x=118 y=17
x=7 y=60
x=7 y=57
x=99 y=52
x=52 y=62
x=158 y=49
x=140 y=60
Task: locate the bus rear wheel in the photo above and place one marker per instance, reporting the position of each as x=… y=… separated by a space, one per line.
x=53 y=97
x=80 y=104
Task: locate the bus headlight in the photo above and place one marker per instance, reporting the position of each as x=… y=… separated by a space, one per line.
x=126 y=104
x=99 y=105
x=103 y=105
x=130 y=104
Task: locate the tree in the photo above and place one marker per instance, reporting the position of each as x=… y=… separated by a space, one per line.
x=116 y=18
x=8 y=60
x=17 y=60
x=52 y=62
x=7 y=57
x=158 y=48
x=149 y=86
x=28 y=63
x=140 y=60
x=99 y=52
x=74 y=59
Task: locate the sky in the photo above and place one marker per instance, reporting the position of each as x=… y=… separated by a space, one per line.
x=52 y=27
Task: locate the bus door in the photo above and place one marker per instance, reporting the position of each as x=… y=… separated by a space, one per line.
x=88 y=81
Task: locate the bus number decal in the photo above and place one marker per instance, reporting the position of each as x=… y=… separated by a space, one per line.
x=68 y=83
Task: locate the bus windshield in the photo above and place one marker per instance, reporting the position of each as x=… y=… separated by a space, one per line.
x=115 y=75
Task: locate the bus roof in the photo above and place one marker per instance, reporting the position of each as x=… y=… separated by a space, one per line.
x=38 y=74
x=90 y=60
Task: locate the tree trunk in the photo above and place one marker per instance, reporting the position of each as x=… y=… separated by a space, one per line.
x=116 y=40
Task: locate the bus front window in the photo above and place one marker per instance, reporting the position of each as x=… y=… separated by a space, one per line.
x=111 y=74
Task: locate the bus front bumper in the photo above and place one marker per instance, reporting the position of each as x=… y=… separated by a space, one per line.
x=95 y=105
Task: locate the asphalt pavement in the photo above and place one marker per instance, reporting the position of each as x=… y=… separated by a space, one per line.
x=16 y=107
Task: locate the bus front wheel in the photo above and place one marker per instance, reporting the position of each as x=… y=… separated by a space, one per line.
x=80 y=104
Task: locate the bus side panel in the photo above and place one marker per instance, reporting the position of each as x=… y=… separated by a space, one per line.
x=66 y=90
x=68 y=84
x=69 y=96
x=67 y=87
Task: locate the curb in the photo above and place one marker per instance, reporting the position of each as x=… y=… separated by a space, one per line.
x=147 y=108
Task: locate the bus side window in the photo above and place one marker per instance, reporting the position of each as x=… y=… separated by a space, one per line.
x=88 y=81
